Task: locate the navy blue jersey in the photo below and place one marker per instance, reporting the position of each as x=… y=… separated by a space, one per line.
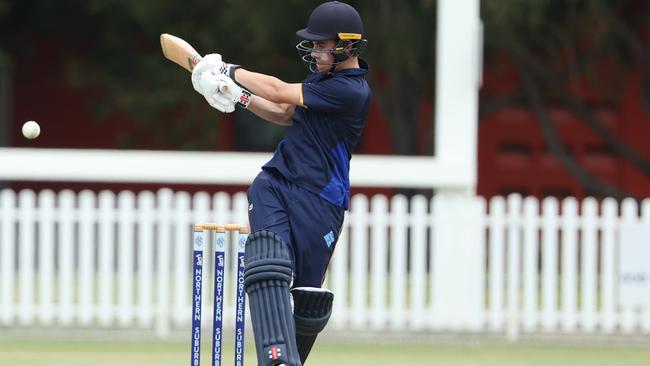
x=315 y=152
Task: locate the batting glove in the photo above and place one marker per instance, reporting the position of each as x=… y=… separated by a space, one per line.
x=237 y=94
x=213 y=64
x=211 y=86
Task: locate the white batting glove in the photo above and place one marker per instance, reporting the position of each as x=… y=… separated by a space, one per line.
x=213 y=64
x=207 y=64
x=210 y=86
x=236 y=93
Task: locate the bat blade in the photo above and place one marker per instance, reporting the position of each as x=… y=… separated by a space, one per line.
x=177 y=50
x=182 y=53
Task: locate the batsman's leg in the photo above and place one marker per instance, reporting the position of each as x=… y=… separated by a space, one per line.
x=312 y=308
x=268 y=275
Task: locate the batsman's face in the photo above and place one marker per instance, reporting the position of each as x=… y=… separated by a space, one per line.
x=322 y=54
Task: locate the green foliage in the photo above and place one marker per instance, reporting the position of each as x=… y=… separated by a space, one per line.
x=553 y=27
x=570 y=40
x=5 y=9
x=111 y=47
x=401 y=51
x=401 y=35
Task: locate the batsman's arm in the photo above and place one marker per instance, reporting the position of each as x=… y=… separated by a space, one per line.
x=277 y=113
x=270 y=87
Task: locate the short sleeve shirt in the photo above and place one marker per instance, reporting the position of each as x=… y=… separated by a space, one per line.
x=316 y=150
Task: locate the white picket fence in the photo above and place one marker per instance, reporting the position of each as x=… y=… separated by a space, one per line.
x=453 y=263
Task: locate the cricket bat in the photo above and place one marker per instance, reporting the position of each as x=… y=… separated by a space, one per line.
x=177 y=50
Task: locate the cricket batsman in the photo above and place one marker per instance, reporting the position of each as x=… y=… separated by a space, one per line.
x=298 y=200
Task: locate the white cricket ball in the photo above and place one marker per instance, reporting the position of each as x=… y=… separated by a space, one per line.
x=31 y=130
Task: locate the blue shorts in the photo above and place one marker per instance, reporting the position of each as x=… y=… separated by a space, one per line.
x=307 y=223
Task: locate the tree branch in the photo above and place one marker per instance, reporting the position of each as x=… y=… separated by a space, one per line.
x=533 y=95
x=519 y=51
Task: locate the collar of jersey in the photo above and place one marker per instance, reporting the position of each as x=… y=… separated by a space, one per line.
x=361 y=70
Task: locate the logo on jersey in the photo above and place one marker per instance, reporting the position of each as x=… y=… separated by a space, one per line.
x=250 y=207
x=329 y=238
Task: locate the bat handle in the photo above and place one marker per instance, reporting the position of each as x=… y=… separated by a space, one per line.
x=224 y=88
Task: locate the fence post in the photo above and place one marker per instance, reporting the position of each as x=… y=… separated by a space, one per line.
x=418 y=260
x=379 y=260
x=87 y=220
x=645 y=218
x=549 y=263
x=145 y=216
x=569 y=264
x=7 y=255
x=26 y=255
x=66 y=215
x=608 y=275
x=496 y=263
x=162 y=254
x=359 y=259
x=398 y=249
x=514 y=273
x=629 y=216
x=589 y=262
x=458 y=263
x=46 y=258
x=470 y=255
x=530 y=259
x=126 y=246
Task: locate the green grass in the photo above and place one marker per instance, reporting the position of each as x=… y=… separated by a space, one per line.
x=154 y=353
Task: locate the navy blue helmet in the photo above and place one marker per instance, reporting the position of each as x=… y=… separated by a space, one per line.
x=335 y=21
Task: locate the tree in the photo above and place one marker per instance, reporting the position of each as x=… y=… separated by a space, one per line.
x=113 y=47
x=556 y=48
x=402 y=46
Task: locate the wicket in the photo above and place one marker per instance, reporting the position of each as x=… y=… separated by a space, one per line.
x=200 y=240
